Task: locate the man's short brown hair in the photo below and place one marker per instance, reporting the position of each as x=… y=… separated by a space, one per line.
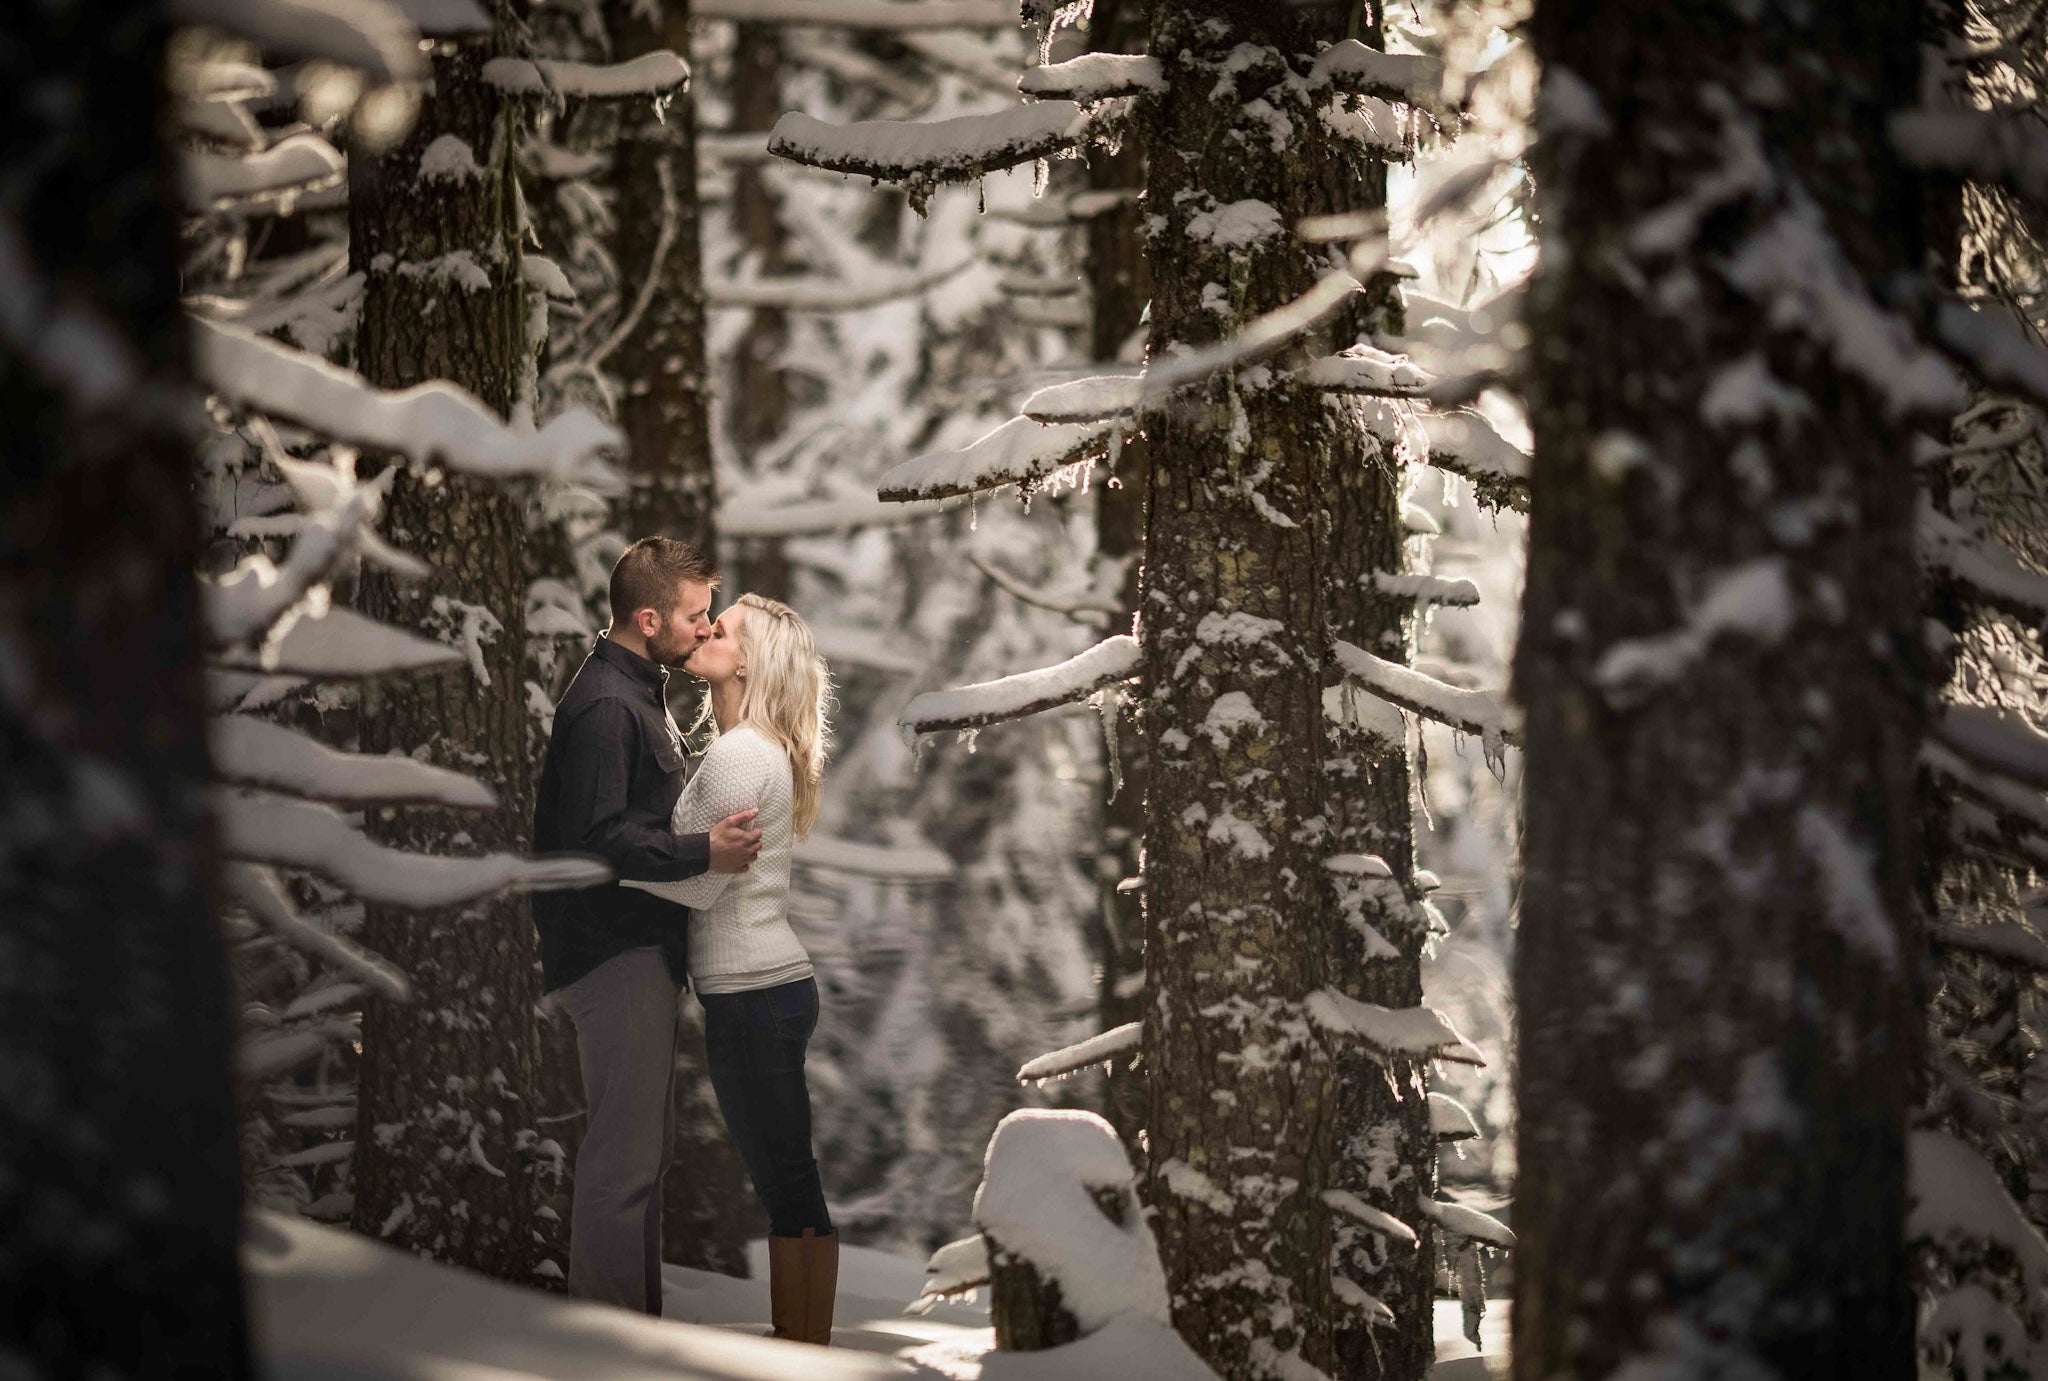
x=650 y=575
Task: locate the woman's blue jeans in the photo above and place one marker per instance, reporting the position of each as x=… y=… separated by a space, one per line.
x=754 y=1043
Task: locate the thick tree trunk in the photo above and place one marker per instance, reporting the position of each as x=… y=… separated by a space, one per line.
x=120 y=1196
x=707 y=1213
x=1717 y=1024
x=1119 y=286
x=442 y=1162
x=1242 y=1117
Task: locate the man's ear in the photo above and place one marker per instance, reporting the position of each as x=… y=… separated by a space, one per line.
x=647 y=621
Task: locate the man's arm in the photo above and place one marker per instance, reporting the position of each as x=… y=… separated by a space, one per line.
x=596 y=766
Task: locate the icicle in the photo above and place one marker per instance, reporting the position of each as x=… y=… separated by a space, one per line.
x=968 y=736
x=1109 y=702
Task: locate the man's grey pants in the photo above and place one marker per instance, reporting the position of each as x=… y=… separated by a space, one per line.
x=625 y=1014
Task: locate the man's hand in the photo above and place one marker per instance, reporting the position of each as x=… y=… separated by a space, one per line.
x=734 y=846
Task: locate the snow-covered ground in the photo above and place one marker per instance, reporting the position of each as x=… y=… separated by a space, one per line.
x=333 y=1306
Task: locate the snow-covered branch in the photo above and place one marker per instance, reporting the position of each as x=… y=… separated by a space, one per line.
x=2014 y=804
x=2011 y=150
x=1379 y=1220
x=1469 y=711
x=1467 y=1222
x=1391 y=1033
x=2001 y=743
x=1984 y=573
x=750 y=516
x=1368 y=372
x=865 y=14
x=1465 y=444
x=258 y=827
x=1072 y=1059
x=1026 y=693
x=650 y=74
x=372 y=36
x=925 y=153
x=1098 y=399
x=1992 y=345
x=826 y=294
x=2011 y=942
x=1956 y=1194
x=1449 y=1120
x=256 y=752
x=1095 y=77
x=294 y=165
x=338 y=644
x=259 y=892
x=430 y=423
x=1426 y=589
x=1097 y=611
x=954 y=1269
x=1351 y=67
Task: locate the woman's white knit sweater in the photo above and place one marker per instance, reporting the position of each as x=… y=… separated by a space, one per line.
x=740 y=938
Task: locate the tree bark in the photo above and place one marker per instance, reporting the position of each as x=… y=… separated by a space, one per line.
x=446 y=1090
x=1717 y=1025
x=1235 y=630
x=120 y=1195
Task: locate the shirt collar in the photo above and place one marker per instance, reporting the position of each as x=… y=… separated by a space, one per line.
x=631 y=662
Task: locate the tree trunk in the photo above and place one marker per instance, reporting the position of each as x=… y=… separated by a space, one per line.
x=1717 y=1025
x=120 y=1196
x=707 y=1213
x=1119 y=286
x=446 y=1092
x=1386 y=1150
x=1236 y=637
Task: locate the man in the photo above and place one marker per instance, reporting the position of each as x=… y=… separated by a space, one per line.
x=617 y=955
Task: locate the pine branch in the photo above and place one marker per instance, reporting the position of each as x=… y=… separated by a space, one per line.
x=1469 y=711
x=1391 y=1033
x=255 y=752
x=1027 y=693
x=1368 y=372
x=924 y=154
x=1095 y=77
x=1449 y=1120
x=1980 y=571
x=1997 y=742
x=1990 y=344
x=258 y=827
x=1072 y=1059
x=259 y=892
x=2009 y=942
x=1467 y=1222
x=1408 y=79
x=1465 y=444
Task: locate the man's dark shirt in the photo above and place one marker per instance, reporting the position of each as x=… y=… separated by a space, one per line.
x=613 y=772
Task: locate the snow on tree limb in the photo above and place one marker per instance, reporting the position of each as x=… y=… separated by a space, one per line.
x=826 y=294
x=1455 y=593
x=1990 y=343
x=371 y=36
x=296 y=164
x=1984 y=572
x=1020 y=452
x=255 y=752
x=865 y=14
x=650 y=74
x=1449 y=1120
x=2010 y=941
x=1379 y=1220
x=258 y=827
x=1469 y=711
x=260 y=893
x=1027 y=693
x=2016 y=805
x=1391 y=1033
x=2005 y=744
x=1368 y=372
x=1072 y=1059
x=339 y=645
x=750 y=516
x=430 y=423
x=1095 y=77
x=1955 y=1194
x=1980 y=145
x=249 y=600
x=1351 y=67
x=924 y=153
x=1100 y=398
x=1465 y=444
x=954 y=1269
x=1263 y=335
x=1467 y=1222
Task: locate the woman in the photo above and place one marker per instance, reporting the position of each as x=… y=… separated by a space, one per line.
x=769 y=694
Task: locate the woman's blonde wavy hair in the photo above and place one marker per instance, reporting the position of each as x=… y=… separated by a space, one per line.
x=787 y=697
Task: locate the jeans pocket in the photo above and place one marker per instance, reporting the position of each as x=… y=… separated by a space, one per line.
x=793 y=1008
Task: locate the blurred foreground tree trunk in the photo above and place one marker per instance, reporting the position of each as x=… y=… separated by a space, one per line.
x=446 y=1107
x=120 y=1194
x=1718 y=1026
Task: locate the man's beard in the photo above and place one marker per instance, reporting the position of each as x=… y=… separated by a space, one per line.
x=670 y=650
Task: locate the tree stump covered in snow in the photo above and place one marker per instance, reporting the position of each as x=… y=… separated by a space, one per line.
x=1068 y=1248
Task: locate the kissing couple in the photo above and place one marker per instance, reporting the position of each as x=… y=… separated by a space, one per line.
x=701 y=899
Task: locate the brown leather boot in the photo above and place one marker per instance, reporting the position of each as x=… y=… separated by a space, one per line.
x=821 y=1284
x=788 y=1292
